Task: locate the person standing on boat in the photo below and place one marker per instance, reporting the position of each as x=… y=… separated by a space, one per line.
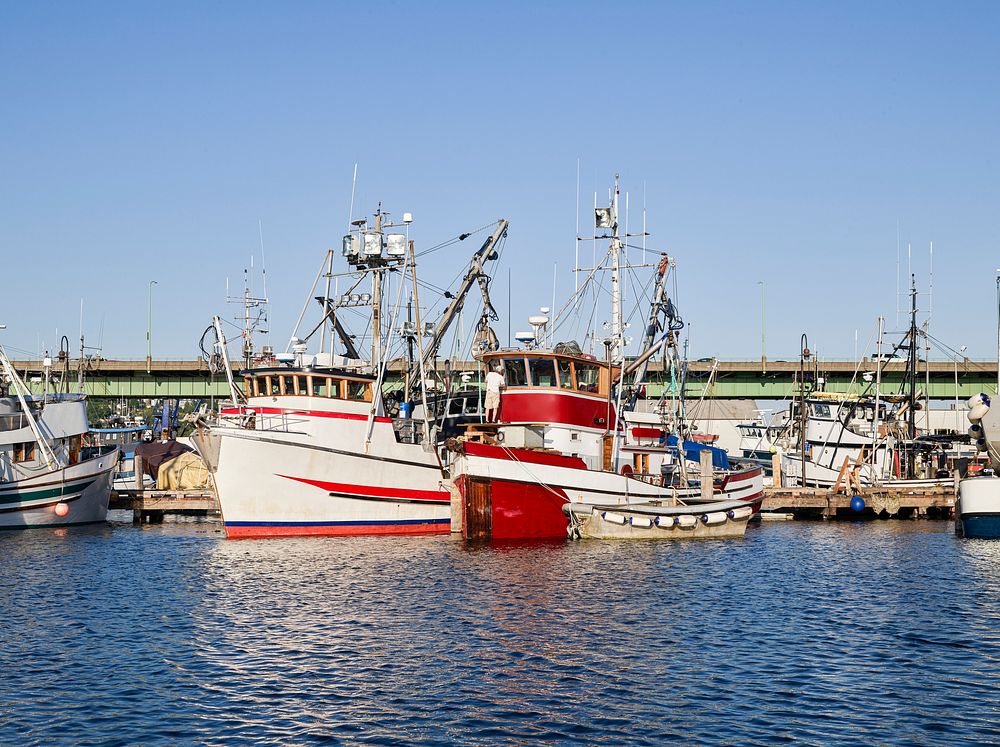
x=494 y=383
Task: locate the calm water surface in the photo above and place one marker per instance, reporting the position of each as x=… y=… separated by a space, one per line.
x=873 y=633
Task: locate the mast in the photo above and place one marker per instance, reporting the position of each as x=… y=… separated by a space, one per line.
x=616 y=292
x=878 y=387
x=911 y=372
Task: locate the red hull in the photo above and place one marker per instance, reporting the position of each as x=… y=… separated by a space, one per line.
x=521 y=510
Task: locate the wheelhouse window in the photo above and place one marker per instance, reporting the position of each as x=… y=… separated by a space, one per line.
x=542 y=371
x=319 y=386
x=287 y=385
x=513 y=369
x=358 y=390
x=273 y=385
x=821 y=411
x=565 y=371
x=587 y=376
x=24 y=452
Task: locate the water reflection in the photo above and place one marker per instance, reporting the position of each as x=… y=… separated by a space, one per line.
x=816 y=632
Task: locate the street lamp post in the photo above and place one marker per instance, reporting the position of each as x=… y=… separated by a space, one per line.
x=763 y=330
x=958 y=418
x=149 y=324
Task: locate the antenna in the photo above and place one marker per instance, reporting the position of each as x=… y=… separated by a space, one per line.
x=897 y=273
x=576 y=261
x=930 y=290
x=354 y=183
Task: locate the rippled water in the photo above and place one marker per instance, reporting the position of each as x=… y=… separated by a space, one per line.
x=873 y=633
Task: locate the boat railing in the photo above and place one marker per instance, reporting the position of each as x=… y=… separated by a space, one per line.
x=282 y=422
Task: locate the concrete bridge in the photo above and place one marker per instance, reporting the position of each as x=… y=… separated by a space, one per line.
x=751 y=380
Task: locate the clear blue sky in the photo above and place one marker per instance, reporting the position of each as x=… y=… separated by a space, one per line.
x=779 y=142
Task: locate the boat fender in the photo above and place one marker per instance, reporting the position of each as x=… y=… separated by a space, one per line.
x=716 y=517
x=740 y=513
x=981 y=444
x=976 y=431
x=641 y=521
x=978 y=399
x=686 y=521
x=977 y=413
x=613 y=518
x=664 y=522
x=61 y=509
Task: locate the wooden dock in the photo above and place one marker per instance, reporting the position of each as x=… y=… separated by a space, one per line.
x=900 y=502
x=151 y=505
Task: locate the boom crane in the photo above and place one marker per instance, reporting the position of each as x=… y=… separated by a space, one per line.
x=474 y=274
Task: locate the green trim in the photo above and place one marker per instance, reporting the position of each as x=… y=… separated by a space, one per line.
x=39 y=495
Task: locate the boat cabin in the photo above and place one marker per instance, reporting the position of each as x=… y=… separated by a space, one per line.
x=540 y=369
x=330 y=384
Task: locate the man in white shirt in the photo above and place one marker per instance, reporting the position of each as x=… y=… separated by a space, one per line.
x=494 y=383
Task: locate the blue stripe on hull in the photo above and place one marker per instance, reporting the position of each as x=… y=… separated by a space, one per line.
x=981 y=526
x=404 y=522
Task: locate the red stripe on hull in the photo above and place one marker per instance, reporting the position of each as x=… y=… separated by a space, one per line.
x=406 y=530
x=522 y=455
x=374 y=490
x=309 y=413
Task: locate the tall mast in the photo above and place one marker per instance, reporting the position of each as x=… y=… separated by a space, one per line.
x=377 y=301
x=616 y=293
x=911 y=372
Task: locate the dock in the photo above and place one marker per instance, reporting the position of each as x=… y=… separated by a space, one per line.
x=150 y=506
x=899 y=502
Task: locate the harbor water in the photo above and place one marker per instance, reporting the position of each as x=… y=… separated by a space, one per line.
x=806 y=632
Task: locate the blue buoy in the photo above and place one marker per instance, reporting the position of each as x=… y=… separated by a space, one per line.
x=857 y=504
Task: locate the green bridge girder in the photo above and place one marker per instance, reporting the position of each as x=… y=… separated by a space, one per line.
x=730 y=380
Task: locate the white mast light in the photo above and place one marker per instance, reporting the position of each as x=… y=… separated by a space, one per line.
x=352 y=245
x=396 y=244
x=373 y=244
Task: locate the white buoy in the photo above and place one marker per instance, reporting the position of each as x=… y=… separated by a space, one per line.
x=981 y=444
x=976 y=431
x=641 y=521
x=737 y=514
x=716 y=517
x=613 y=518
x=977 y=413
x=975 y=399
x=686 y=521
x=665 y=522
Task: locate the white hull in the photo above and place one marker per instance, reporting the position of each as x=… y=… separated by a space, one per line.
x=977 y=512
x=84 y=489
x=274 y=483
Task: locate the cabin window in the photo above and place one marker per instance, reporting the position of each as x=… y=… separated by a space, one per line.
x=24 y=452
x=821 y=411
x=587 y=376
x=472 y=405
x=565 y=374
x=543 y=371
x=302 y=386
x=357 y=390
x=336 y=389
x=455 y=408
x=318 y=386
x=287 y=385
x=513 y=369
x=273 y=386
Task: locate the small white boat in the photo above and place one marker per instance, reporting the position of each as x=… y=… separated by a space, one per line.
x=47 y=477
x=977 y=511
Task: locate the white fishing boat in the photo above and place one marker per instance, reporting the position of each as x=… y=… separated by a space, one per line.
x=310 y=446
x=47 y=477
